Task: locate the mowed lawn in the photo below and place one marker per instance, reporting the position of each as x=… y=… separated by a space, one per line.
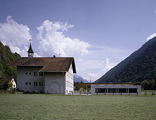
x=62 y=107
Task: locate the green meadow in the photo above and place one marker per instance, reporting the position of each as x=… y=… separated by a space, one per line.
x=68 y=107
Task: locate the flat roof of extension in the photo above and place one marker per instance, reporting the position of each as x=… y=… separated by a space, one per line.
x=108 y=83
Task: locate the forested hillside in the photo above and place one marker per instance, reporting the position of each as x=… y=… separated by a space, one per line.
x=6 y=71
x=139 y=66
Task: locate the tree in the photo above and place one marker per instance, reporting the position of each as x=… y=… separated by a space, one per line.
x=148 y=84
x=10 y=84
x=145 y=84
x=7 y=57
x=151 y=84
x=76 y=86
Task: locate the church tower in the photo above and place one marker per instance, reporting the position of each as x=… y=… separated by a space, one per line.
x=30 y=51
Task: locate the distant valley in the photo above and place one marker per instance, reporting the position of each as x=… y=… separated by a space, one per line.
x=78 y=78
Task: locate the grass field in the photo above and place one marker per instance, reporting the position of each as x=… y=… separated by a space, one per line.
x=60 y=107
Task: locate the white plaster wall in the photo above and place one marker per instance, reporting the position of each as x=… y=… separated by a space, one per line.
x=53 y=79
x=22 y=78
x=69 y=81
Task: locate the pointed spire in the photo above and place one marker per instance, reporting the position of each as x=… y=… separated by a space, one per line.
x=30 y=50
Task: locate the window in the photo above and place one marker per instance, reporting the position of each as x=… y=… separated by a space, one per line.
x=26 y=73
x=40 y=73
x=112 y=90
x=26 y=83
x=122 y=90
x=40 y=83
x=35 y=83
x=100 y=90
x=29 y=83
x=29 y=73
x=35 y=73
x=133 y=90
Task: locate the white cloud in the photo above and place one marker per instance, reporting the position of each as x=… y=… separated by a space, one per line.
x=108 y=66
x=99 y=61
x=91 y=61
x=107 y=60
x=15 y=35
x=92 y=77
x=94 y=67
x=53 y=40
x=151 y=36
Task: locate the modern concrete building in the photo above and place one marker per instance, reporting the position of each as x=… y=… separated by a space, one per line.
x=115 y=89
x=52 y=75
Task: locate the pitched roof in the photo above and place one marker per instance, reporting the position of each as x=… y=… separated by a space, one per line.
x=50 y=64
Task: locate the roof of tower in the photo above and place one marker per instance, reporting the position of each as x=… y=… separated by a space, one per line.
x=30 y=49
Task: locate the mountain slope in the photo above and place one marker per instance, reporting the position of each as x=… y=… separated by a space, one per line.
x=78 y=78
x=139 y=66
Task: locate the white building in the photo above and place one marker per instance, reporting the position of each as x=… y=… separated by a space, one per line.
x=13 y=83
x=115 y=89
x=52 y=75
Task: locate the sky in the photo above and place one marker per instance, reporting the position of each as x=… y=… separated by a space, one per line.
x=99 y=34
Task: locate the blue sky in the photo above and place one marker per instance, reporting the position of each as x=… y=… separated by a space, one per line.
x=97 y=33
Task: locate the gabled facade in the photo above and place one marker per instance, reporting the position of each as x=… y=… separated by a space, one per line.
x=52 y=75
x=45 y=75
